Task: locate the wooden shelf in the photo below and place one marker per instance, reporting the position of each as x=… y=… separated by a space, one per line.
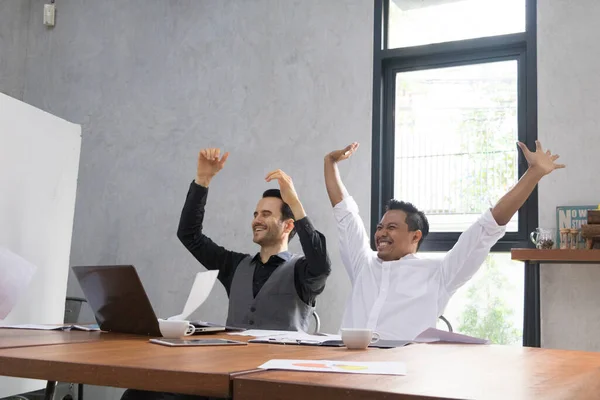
x=564 y=256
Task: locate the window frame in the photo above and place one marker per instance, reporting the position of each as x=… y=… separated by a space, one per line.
x=522 y=45
x=388 y=62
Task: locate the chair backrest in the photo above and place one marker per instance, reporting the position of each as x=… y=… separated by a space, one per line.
x=317 y=322
x=447 y=323
x=72 y=309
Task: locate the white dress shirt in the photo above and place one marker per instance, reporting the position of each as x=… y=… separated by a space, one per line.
x=400 y=299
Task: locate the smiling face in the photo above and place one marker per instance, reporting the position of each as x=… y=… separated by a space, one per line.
x=268 y=227
x=393 y=238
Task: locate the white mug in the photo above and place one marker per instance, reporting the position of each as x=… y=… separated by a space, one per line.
x=358 y=339
x=175 y=329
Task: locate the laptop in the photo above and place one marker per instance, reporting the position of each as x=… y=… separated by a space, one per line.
x=119 y=302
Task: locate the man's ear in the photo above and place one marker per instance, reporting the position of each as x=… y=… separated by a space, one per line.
x=289 y=225
x=417 y=236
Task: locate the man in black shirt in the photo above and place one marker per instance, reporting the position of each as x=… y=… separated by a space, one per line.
x=279 y=215
x=273 y=289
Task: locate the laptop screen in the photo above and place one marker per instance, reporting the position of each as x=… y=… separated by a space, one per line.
x=118 y=299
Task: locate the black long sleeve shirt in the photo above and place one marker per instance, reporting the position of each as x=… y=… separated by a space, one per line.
x=311 y=271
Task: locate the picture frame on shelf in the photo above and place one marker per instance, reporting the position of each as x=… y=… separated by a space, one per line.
x=572 y=217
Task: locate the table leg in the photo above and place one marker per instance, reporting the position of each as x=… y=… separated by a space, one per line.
x=49 y=393
x=531 y=316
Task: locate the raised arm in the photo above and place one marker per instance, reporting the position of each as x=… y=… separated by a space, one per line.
x=190 y=233
x=333 y=182
x=312 y=270
x=354 y=245
x=473 y=246
x=540 y=164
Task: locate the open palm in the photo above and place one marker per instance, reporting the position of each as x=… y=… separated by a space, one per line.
x=343 y=154
x=286 y=186
x=210 y=162
x=540 y=160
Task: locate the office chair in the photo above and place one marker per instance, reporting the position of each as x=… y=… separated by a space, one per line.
x=62 y=391
x=317 y=323
x=447 y=323
x=72 y=310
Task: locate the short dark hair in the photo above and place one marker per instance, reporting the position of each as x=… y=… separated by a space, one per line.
x=415 y=219
x=286 y=211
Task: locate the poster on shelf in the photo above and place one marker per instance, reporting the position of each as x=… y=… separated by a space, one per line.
x=572 y=217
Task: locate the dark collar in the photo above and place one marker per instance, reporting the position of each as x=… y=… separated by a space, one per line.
x=284 y=255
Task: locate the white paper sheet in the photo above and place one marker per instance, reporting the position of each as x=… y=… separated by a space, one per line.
x=348 y=367
x=15 y=275
x=88 y=328
x=259 y=333
x=433 y=335
x=34 y=326
x=299 y=338
x=203 y=284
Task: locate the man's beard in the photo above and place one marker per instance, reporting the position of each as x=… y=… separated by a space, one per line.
x=268 y=239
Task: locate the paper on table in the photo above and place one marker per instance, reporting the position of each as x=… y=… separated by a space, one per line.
x=15 y=275
x=321 y=337
x=298 y=338
x=350 y=367
x=259 y=333
x=432 y=335
x=88 y=328
x=34 y=326
x=201 y=288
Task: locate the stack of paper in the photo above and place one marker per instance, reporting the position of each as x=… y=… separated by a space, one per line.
x=259 y=333
x=433 y=335
x=349 y=367
x=296 y=338
x=88 y=328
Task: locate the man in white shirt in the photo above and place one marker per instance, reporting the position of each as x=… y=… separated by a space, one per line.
x=394 y=292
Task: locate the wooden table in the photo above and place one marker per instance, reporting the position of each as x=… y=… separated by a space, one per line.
x=15 y=338
x=138 y=364
x=441 y=372
x=532 y=258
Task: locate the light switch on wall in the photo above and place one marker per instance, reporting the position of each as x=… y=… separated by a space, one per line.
x=49 y=14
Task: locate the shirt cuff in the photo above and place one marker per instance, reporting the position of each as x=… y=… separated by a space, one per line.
x=489 y=224
x=198 y=192
x=345 y=207
x=195 y=186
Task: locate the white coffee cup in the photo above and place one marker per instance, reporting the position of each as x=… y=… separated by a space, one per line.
x=358 y=339
x=175 y=329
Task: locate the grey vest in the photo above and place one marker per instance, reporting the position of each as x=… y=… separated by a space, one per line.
x=277 y=305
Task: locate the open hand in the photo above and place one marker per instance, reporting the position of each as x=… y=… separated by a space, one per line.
x=286 y=186
x=210 y=163
x=538 y=160
x=343 y=154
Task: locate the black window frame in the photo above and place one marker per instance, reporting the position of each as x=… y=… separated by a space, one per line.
x=520 y=46
x=388 y=62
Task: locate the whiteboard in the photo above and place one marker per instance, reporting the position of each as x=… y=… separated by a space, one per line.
x=39 y=163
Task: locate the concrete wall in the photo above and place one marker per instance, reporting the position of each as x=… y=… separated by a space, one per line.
x=14 y=23
x=276 y=83
x=569 y=124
